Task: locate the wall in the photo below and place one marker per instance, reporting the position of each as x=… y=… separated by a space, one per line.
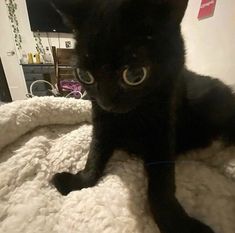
x=210 y=42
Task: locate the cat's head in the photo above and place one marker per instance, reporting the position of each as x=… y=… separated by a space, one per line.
x=126 y=49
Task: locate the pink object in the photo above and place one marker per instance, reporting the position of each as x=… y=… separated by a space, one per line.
x=71 y=86
x=207 y=9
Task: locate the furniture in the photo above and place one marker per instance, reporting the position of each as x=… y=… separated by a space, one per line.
x=5 y=95
x=34 y=72
x=64 y=61
x=60 y=74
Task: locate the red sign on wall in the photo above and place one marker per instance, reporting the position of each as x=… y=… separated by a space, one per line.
x=207 y=9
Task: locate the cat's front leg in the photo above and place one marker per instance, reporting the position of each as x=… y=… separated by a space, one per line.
x=167 y=211
x=100 y=152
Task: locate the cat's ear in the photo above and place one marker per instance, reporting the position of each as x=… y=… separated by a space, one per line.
x=162 y=10
x=174 y=9
x=72 y=11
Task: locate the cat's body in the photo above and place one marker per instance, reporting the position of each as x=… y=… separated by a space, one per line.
x=202 y=113
x=131 y=62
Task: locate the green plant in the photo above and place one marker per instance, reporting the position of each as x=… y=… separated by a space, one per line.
x=39 y=46
x=12 y=7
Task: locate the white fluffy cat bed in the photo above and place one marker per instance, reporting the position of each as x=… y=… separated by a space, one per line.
x=42 y=136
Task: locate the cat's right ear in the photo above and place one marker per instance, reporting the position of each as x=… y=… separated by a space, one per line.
x=174 y=9
x=72 y=11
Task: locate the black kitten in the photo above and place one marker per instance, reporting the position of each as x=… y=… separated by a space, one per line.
x=131 y=63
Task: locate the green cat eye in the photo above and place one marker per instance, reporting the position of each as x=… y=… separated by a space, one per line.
x=85 y=76
x=135 y=76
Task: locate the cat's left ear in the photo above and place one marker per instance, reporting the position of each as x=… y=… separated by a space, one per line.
x=72 y=11
x=175 y=9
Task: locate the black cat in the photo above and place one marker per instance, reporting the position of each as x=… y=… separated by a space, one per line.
x=131 y=63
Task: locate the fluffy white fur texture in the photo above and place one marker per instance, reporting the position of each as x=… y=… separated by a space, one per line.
x=42 y=136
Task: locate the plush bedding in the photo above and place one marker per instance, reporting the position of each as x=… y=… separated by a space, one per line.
x=42 y=136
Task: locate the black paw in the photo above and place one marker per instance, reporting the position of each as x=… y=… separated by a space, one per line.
x=66 y=182
x=199 y=227
x=186 y=225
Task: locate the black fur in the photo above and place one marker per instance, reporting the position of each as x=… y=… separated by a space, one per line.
x=172 y=111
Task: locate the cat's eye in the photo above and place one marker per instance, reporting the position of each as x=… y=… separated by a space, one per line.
x=135 y=76
x=85 y=76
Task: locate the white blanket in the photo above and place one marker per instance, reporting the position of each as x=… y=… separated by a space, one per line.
x=42 y=136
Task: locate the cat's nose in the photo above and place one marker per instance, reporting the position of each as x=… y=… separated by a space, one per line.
x=105 y=106
x=108 y=108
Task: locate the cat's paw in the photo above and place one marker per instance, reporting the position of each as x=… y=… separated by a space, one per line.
x=188 y=225
x=66 y=182
x=199 y=227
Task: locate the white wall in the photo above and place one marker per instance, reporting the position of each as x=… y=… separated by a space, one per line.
x=210 y=42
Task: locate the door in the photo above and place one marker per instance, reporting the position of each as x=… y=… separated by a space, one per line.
x=10 y=61
x=5 y=95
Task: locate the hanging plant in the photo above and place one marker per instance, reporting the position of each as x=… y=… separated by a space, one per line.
x=12 y=7
x=39 y=46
